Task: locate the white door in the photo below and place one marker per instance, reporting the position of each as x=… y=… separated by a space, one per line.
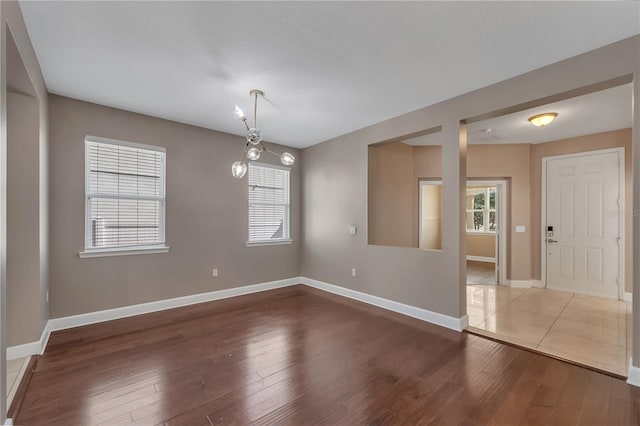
x=583 y=251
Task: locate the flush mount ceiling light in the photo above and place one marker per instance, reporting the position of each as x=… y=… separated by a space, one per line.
x=541 y=120
x=254 y=146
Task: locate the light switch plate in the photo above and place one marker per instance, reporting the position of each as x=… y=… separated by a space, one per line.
x=353 y=230
x=520 y=228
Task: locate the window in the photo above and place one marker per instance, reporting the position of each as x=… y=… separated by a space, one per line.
x=481 y=209
x=125 y=197
x=268 y=204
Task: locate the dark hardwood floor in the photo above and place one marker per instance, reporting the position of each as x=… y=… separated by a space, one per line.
x=298 y=356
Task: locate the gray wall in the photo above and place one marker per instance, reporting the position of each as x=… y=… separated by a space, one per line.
x=206 y=215
x=335 y=184
x=13 y=33
x=24 y=322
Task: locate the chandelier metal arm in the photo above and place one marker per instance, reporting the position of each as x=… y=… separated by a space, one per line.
x=255 y=93
x=254 y=137
x=264 y=148
x=244 y=153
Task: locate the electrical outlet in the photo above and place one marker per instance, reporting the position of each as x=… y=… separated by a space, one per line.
x=354 y=272
x=214 y=272
x=353 y=230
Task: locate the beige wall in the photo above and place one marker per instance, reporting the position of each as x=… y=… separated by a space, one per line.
x=335 y=187
x=392 y=196
x=510 y=162
x=481 y=245
x=206 y=215
x=619 y=138
x=23 y=278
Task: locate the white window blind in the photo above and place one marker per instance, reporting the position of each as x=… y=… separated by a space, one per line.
x=125 y=194
x=268 y=203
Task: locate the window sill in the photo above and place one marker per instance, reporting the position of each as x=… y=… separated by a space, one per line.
x=268 y=243
x=122 y=251
x=481 y=232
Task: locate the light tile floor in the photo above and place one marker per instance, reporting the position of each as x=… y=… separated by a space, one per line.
x=13 y=369
x=481 y=272
x=588 y=330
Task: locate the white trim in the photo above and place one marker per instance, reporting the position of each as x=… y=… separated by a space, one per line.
x=457 y=324
x=481 y=232
x=63 y=323
x=269 y=243
x=537 y=283
x=8 y=422
x=481 y=259
x=633 y=376
x=627 y=297
x=126 y=251
x=621 y=220
x=21 y=351
x=98 y=139
x=161 y=305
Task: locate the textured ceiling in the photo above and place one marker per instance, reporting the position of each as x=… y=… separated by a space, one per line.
x=327 y=68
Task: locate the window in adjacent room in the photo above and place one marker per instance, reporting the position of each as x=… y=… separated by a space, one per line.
x=481 y=209
x=269 y=215
x=125 y=198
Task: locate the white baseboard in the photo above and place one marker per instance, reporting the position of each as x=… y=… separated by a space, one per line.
x=8 y=422
x=161 y=305
x=37 y=348
x=525 y=283
x=481 y=259
x=628 y=297
x=31 y=348
x=452 y=323
x=633 y=377
x=21 y=351
x=537 y=283
x=55 y=324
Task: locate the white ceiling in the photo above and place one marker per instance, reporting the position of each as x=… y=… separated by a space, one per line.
x=327 y=68
x=596 y=112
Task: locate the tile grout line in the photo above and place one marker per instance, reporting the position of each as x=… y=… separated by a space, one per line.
x=556 y=320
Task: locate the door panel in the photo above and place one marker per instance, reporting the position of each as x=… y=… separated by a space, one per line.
x=582 y=207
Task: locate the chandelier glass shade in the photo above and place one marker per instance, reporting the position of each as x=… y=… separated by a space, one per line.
x=254 y=145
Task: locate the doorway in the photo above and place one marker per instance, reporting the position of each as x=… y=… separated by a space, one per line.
x=486 y=231
x=583 y=241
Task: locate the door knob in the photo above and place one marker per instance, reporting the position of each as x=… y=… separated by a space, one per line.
x=549 y=240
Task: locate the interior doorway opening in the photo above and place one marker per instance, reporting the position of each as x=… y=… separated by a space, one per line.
x=567 y=292
x=485 y=205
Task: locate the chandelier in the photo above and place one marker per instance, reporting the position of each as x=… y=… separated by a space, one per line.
x=254 y=146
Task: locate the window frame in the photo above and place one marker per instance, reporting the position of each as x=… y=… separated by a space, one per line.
x=270 y=242
x=159 y=247
x=486 y=211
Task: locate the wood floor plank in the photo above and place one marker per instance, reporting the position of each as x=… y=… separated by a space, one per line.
x=298 y=356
